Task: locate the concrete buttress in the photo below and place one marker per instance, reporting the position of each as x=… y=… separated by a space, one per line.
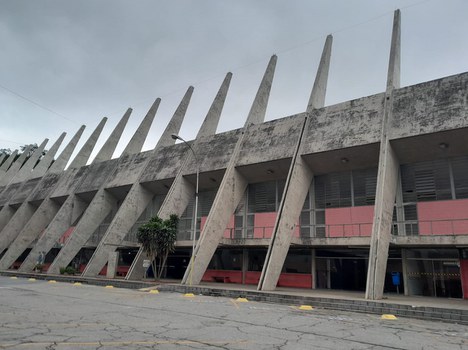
x=231 y=189
x=138 y=198
x=8 y=213
x=103 y=202
x=297 y=185
x=387 y=179
x=23 y=229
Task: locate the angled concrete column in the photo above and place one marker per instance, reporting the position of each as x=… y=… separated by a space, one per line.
x=62 y=160
x=6 y=214
x=6 y=165
x=181 y=190
x=83 y=155
x=139 y=137
x=26 y=170
x=15 y=167
x=94 y=214
x=8 y=223
x=45 y=162
x=387 y=179
x=297 y=185
x=2 y=157
x=231 y=189
x=16 y=223
x=68 y=213
x=26 y=236
x=113 y=263
x=136 y=200
x=109 y=146
x=100 y=207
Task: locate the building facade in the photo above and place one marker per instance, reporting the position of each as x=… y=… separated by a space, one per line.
x=369 y=194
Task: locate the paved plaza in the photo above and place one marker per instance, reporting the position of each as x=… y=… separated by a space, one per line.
x=44 y=315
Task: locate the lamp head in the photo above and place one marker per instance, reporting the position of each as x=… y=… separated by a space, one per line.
x=175 y=137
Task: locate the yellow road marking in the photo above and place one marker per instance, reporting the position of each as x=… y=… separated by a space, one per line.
x=388 y=317
x=14 y=278
x=189 y=295
x=32 y=279
x=242 y=300
x=235 y=304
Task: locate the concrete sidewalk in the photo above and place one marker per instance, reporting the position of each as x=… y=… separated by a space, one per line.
x=435 y=309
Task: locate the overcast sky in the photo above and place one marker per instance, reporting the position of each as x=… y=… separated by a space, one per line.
x=88 y=59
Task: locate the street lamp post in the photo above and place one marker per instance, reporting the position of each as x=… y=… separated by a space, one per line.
x=194 y=223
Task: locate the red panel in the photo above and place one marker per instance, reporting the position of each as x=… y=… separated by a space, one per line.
x=228 y=276
x=230 y=228
x=295 y=280
x=263 y=224
x=252 y=277
x=464 y=277
x=443 y=217
x=350 y=221
x=66 y=235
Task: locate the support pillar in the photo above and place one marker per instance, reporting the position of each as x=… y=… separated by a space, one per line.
x=33 y=228
x=231 y=189
x=297 y=185
x=68 y=213
x=112 y=264
x=100 y=207
x=387 y=179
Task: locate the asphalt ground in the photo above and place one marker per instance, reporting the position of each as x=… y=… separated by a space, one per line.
x=43 y=315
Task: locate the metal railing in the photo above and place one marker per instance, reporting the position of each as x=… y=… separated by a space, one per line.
x=453 y=227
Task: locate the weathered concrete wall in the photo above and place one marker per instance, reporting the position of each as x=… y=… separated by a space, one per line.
x=96 y=176
x=347 y=124
x=67 y=182
x=272 y=140
x=214 y=152
x=430 y=107
x=128 y=169
x=164 y=164
x=8 y=192
x=23 y=192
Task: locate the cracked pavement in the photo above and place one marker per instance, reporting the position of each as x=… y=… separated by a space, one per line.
x=41 y=315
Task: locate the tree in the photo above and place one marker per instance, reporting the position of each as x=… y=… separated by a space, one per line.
x=157 y=238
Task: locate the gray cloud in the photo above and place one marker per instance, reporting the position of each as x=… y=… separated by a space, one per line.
x=90 y=59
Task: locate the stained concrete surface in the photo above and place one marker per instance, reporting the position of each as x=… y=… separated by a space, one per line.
x=42 y=315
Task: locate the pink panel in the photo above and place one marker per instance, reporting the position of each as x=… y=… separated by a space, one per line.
x=226 y=276
x=202 y=223
x=443 y=217
x=264 y=223
x=230 y=228
x=350 y=221
x=66 y=235
x=252 y=277
x=464 y=277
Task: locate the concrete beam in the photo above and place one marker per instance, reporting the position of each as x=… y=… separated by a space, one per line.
x=108 y=149
x=139 y=137
x=297 y=185
x=387 y=179
x=2 y=157
x=85 y=152
x=66 y=216
x=45 y=162
x=231 y=189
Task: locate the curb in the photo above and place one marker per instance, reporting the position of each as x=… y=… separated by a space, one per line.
x=450 y=315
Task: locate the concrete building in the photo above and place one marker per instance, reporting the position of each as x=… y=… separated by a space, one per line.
x=369 y=194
